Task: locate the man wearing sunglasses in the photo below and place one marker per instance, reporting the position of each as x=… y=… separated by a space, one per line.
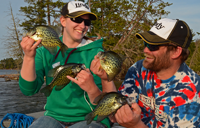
x=69 y=106
x=165 y=89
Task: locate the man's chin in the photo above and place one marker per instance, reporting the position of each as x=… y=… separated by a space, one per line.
x=147 y=64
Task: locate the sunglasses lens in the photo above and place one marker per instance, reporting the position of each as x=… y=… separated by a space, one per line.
x=77 y=20
x=151 y=47
x=80 y=20
x=87 y=22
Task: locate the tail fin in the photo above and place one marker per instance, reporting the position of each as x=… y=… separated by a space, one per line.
x=46 y=90
x=89 y=117
x=63 y=49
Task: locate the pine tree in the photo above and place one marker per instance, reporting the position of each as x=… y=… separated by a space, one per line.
x=119 y=21
x=40 y=12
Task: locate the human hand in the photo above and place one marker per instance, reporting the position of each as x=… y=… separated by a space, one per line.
x=129 y=117
x=95 y=68
x=85 y=80
x=112 y=118
x=29 y=47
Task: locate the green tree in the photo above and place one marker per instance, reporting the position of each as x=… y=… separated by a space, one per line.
x=8 y=63
x=2 y=64
x=119 y=21
x=40 y=12
x=194 y=59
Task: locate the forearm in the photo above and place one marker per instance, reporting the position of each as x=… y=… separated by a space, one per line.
x=28 y=69
x=139 y=125
x=93 y=94
x=108 y=86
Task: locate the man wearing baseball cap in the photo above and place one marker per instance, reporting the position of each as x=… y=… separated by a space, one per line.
x=69 y=106
x=165 y=89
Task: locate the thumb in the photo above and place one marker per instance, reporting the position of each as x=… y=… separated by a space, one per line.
x=37 y=43
x=136 y=108
x=87 y=70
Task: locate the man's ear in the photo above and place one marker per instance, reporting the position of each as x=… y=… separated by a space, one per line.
x=63 y=21
x=176 y=53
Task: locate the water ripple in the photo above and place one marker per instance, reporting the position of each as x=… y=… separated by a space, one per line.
x=13 y=101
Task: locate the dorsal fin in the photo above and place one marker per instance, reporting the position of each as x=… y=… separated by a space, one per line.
x=98 y=98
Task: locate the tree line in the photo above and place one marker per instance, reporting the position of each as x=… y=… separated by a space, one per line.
x=118 y=22
x=9 y=63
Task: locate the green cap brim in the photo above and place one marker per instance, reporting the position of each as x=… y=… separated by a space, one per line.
x=151 y=38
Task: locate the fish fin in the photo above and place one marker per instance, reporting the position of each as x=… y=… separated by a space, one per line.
x=123 y=57
x=110 y=78
x=52 y=50
x=51 y=72
x=100 y=68
x=24 y=35
x=46 y=90
x=98 y=98
x=89 y=117
x=100 y=118
x=63 y=49
x=60 y=87
x=113 y=114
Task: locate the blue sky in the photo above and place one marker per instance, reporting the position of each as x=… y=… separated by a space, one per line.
x=186 y=10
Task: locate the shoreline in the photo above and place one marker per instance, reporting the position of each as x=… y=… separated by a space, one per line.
x=11 y=69
x=9 y=77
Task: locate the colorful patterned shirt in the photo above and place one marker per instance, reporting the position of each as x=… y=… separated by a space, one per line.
x=167 y=103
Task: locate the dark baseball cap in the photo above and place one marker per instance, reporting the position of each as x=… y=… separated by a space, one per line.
x=168 y=30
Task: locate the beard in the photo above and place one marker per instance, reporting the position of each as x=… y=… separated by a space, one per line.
x=159 y=63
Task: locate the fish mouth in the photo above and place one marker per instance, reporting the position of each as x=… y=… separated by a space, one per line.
x=33 y=33
x=29 y=34
x=83 y=66
x=99 y=54
x=130 y=100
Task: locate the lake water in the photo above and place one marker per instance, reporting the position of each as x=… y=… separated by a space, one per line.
x=3 y=72
x=13 y=101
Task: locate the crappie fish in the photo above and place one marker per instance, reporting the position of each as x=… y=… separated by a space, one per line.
x=107 y=104
x=50 y=38
x=60 y=80
x=111 y=62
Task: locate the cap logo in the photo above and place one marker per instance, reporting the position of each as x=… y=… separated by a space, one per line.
x=159 y=26
x=78 y=5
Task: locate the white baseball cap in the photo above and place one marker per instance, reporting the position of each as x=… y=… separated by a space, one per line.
x=75 y=9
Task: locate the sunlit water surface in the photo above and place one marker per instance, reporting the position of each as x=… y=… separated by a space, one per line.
x=13 y=101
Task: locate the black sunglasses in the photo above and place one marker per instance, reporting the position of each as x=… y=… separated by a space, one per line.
x=155 y=47
x=151 y=47
x=80 y=20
